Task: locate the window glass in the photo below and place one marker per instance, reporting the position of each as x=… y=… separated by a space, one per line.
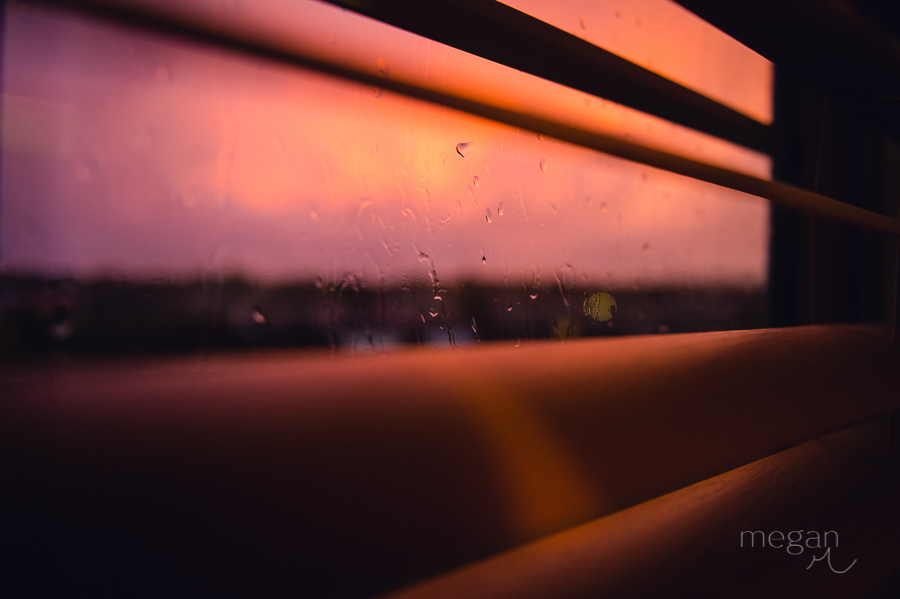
x=163 y=196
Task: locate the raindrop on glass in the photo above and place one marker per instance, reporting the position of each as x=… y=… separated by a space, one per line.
x=487 y=215
x=465 y=148
x=476 y=181
x=382 y=66
x=433 y=313
x=543 y=164
x=377 y=92
x=583 y=22
x=500 y=209
x=257 y=316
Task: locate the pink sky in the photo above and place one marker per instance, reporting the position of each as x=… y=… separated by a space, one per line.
x=131 y=156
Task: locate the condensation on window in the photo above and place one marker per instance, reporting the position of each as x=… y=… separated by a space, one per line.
x=163 y=196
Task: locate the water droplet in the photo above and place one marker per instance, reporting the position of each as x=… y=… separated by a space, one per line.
x=163 y=73
x=540 y=136
x=544 y=164
x=433 y=313
x=553 y=208
x=377 y=92
x=476 y=181
x=518 y=342
x=583 y=22
x=257 y=316
x=423 y=316
x=646 y=247
x=603 y=207
x=465 y=148
x=314 y=215
x=487 y=215
x=474 y=326
x=438 y=298
x=320 y=284
x=84 y=173
x=382 y=66
x=500 y=209
x=445 y=218
x=509 y=309
x=483 y=257
x=533 y=296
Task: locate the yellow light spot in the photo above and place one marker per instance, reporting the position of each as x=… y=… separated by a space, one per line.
x=600 y=306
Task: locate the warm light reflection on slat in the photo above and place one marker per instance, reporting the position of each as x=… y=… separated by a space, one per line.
x=348 y=41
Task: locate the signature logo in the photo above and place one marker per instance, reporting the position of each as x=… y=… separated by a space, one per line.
x=797 y=543
x=827 y=556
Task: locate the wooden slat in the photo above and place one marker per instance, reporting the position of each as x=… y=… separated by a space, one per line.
x=688 y=543
x=237 y=39
x=258 y=45
x=512 y=38
x=827 y=43
x=324 y=475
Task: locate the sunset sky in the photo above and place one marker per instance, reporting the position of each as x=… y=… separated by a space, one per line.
x=133 y=156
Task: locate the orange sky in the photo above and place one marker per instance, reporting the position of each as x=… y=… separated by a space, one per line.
x=128 y=155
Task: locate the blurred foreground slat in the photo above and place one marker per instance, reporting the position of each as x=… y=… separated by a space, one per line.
x=352 y=475
x=689 y=543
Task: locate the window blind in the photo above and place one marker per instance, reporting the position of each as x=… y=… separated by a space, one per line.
x=377 y=461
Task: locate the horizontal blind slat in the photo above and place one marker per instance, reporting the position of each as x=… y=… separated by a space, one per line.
x=502 y=34
x=342 y=462
x=246 y=42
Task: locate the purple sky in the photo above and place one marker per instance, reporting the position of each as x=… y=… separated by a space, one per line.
x=126 y=155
